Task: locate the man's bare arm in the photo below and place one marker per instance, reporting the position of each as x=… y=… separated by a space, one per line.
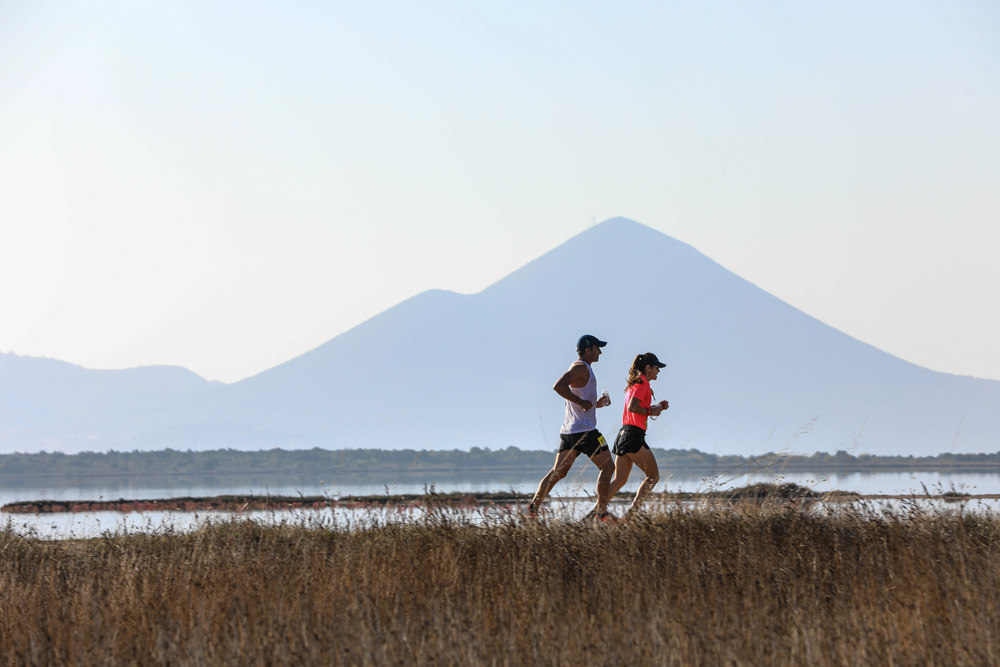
x=577 y=376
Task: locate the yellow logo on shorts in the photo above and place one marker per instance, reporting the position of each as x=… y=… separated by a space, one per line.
x=601 y=441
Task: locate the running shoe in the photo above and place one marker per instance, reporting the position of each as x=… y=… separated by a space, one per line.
x=608 y=518
x=605 y=517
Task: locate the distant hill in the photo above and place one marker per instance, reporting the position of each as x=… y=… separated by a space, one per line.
x=54 y=405
x=746 y=372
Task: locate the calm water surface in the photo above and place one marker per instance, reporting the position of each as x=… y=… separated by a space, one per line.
x=579 y=483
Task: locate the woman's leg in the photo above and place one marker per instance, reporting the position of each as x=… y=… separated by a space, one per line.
x=647 y=463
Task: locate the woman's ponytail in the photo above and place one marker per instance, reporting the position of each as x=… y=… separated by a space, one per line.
x=635 y=371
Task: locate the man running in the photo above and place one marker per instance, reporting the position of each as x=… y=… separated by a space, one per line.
x=579 y=434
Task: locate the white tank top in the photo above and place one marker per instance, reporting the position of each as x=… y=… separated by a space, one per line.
x=578 y=420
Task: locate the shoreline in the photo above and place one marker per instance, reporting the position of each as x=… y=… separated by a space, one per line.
x=241 y=503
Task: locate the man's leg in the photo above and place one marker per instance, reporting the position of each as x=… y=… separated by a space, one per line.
x=623 y=468
x=647 y=463
x=606 y=465
x=564 y=461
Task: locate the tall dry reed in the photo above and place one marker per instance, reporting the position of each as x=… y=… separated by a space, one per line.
x=730 y=585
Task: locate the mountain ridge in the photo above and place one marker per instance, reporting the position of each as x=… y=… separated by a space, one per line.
x=443 y=369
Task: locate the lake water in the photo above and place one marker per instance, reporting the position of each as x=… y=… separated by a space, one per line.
x=578 y=484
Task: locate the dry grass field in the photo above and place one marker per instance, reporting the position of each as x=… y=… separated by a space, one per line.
x=743 y=584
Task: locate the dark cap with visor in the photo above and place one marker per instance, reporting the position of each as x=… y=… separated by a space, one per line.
x=588 y=341
x=649 y=359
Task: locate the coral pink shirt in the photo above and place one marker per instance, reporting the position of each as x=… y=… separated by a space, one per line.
x=641 y=391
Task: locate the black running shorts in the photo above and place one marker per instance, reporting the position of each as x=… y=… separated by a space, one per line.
x=588 y=442
x=630 y=440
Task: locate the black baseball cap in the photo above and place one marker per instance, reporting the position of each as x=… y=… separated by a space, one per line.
x=649 y=359
x=587 y=340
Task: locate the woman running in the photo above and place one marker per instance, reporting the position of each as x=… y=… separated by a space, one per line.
x=630 y=445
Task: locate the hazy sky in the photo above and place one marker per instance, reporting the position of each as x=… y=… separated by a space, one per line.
x=225 y=185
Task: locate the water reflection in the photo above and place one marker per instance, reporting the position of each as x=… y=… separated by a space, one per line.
x=579 y=482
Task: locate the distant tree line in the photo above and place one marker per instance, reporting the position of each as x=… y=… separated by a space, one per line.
x=476 y=459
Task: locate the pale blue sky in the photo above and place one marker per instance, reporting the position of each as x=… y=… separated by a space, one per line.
x=225 y=185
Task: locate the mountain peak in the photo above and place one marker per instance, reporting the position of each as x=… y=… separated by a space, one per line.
x=620 y=221
x=620 y=225
x=613 y=246
x=634 y=234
